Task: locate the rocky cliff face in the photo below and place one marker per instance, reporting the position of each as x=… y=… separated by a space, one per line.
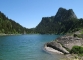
x=57 y=24
x=64 y=14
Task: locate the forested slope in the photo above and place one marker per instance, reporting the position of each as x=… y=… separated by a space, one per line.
x=9 y=26
x=65 y=21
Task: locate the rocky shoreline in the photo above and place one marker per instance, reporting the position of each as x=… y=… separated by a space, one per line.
x=63 y=45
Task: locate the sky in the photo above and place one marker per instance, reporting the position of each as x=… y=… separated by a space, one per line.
x=29 y=13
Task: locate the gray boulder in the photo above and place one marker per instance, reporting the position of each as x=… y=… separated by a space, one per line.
x=65 y=43
x=57 y=46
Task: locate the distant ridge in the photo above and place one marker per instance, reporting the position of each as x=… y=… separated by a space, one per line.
x=64 y=21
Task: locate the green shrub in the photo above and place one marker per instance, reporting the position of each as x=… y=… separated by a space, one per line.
x=77 y=50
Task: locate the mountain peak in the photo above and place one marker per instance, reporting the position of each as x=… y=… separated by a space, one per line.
x=62 y=22
x=72 y=13
x=61 y=8
x=64 y=13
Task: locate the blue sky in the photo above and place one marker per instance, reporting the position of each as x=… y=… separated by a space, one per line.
x=29 y=13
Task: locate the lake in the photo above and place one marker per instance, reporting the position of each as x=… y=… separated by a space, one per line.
x=26 y=47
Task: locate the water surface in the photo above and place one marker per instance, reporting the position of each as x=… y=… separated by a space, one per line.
x=26 y=47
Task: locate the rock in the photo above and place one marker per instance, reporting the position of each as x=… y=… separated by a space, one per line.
x=65 y=43
x=57 y=46
x=70 y=41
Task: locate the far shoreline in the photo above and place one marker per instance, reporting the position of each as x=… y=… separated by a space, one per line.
x=9 y=34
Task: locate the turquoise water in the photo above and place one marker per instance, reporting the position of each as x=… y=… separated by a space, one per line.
x=26 y=47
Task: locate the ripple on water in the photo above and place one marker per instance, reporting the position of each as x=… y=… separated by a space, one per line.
x=26 y=47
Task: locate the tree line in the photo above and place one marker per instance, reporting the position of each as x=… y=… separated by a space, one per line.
x=9 y=26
